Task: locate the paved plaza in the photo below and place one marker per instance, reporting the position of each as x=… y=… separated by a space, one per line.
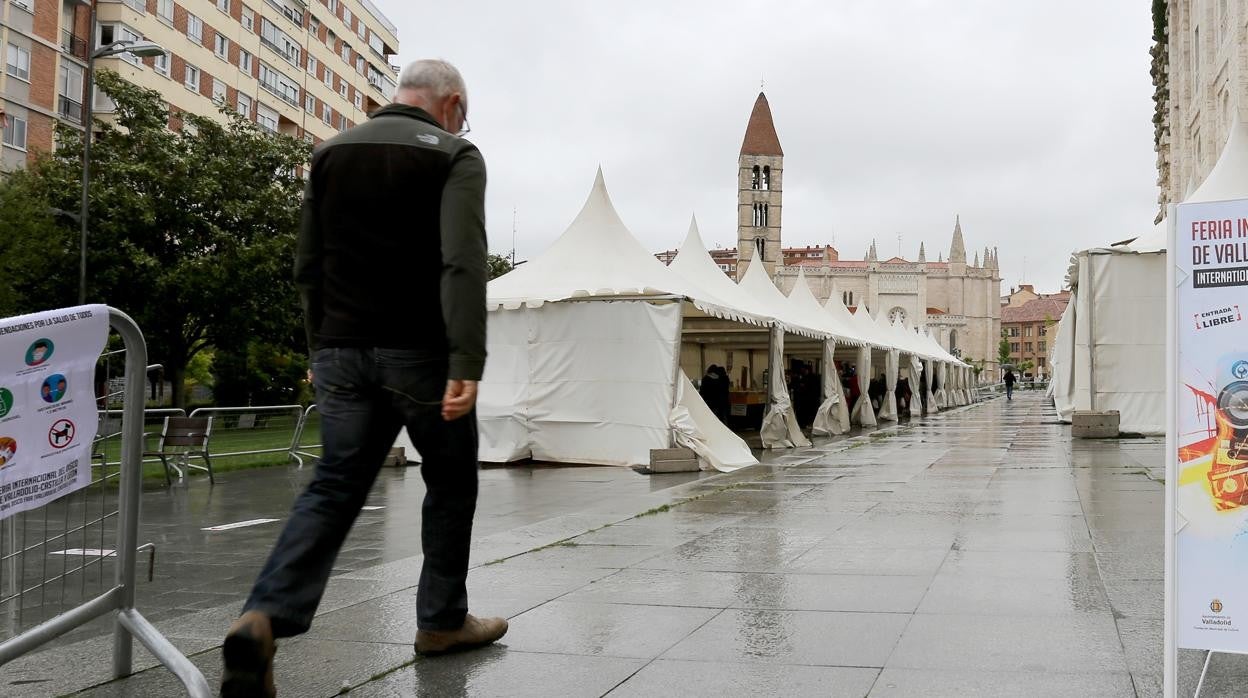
x=978 y=552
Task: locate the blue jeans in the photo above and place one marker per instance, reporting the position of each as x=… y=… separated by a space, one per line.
x=364 y=396
x=1009 y=391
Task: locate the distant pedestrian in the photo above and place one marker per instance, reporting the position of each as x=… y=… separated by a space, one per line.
x=714 y=391
x=401 y=187
x=1009 y=384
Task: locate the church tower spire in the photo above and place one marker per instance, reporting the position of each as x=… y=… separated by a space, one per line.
x=759 y=192
x=922 y=254
x=957 y=250
x=872 y=255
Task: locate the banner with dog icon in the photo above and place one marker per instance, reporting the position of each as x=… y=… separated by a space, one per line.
x=1210 y=485
x=48 y=415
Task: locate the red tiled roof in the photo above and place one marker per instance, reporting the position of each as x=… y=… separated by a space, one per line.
x=760 y=134
x=1037 y=310
x=806 y=263
x=935 y=311
x=896 y=260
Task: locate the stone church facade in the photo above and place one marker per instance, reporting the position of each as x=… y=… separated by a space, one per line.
x=957 y=298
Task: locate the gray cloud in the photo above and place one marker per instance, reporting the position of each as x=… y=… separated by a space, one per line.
x=1031 y=120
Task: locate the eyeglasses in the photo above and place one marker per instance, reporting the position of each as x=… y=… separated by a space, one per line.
x=463 y=130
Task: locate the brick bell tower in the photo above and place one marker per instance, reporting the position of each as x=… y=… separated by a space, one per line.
x=760 y=182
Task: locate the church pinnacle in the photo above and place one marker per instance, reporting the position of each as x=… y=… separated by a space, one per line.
x=872 y=256
x=957 y=250
x=922 y=253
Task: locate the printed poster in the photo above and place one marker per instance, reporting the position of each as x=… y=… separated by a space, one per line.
x=48 y=415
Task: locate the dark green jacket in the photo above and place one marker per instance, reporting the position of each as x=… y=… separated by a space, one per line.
x=392 y=246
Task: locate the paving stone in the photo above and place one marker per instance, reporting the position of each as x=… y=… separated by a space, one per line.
x=679 y=678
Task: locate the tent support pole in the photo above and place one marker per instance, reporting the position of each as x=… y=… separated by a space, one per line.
x=680 y=345
x=1091 y=335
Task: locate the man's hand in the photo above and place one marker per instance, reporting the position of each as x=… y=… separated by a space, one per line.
x=459 y=399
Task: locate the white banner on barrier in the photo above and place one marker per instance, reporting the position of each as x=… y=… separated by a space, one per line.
x=47 y=403
x=1210 y=492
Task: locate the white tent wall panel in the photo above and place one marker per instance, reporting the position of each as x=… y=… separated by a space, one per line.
x=600 y=383
x=502 y=404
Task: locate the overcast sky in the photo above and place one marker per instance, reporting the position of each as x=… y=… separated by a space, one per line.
x=1031 y=120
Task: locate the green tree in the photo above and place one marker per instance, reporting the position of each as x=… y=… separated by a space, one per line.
x=1003 y=349
x=498 y=265
x=192 y=232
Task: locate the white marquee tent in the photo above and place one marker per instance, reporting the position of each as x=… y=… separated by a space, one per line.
x=1110 y=343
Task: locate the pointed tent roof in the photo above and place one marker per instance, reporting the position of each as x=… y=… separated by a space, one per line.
x=764 y=292
x=760 y=133
x=867 y=328
x=1229 y=177
x=842 y=319
x=694 y=264
x=957 y=250
x=806 y=307
x=595 y=256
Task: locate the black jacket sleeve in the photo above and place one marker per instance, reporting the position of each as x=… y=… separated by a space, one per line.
x=464 y=252
x=309 y=267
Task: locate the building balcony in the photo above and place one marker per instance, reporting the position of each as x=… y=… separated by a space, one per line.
x=69 y=109
x=73 y=44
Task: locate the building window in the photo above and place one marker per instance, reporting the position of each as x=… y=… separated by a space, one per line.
x=110 y=33
x=346 y=53
x=314 y=26
x=1014 y=347
x=267 y=118
x=161 y=63
x=224 y=6
x=346 y=16
x=760 y=215
x=309 y=104
x=342 y=88
x=329 y=78
x=249 y=19
x=218 y=91
x=164 y=10
x=760 y=249
x=245 y=61
x=137 y=5
x=847 y=298
x=1027 y=347
x=1040 y=361
x=244 y=105
x=279 y=41
x=17 y=63
x=276 y=82
x=333 y=6
x=222 y=48
x=15 y=133
x=766 y=177
x=756 y=179
x=1042 y=346
x=1013 y=331
x=326 y=114
x=312 y=65
x=1043 y=330
x=195 y=28
x=70 y=85
x=192 y=77
x=23 y=4
x=342 y=123
x=953 y=341
x=359 y=101
x=1027 y=331
x=359 y=64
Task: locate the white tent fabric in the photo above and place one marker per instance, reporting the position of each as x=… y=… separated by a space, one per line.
x=833 y=415
x=942 y=376
x=863 y=412
x=699 y=429
x=892 y=367
x=772 y=303
x=914 y=371
x=694 y=265
x=1062 y=383
x=779 y=428
x=929 y=398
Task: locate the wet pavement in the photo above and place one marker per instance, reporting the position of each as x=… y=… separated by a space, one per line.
x=979 y=552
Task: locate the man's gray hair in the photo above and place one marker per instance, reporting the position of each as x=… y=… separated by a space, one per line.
x=436 y=75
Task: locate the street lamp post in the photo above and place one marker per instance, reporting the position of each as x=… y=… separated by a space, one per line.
x=142 y=49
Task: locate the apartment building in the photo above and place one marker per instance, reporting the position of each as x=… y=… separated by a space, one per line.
x=304 y=69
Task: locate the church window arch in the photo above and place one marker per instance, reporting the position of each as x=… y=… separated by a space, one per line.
x=760 y=248
x=760 y=215
x=756 y=180
x=953 y=341
x=766 y=177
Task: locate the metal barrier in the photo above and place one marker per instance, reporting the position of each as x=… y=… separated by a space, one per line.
x=250 y=431
x=123 y=488
x=300 y=450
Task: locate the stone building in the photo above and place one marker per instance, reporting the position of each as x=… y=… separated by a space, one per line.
x=305 y=69
x=1200 y=72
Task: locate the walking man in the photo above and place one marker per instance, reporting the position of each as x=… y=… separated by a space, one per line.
x=1009 y=384
x=391 y=268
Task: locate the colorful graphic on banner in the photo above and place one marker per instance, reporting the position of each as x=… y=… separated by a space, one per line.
x=1211 y=490
x=47 y=404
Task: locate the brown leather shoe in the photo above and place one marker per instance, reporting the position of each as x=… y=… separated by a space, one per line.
x=477 y=632
x=248 y=653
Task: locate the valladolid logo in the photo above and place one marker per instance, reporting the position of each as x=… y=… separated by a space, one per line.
x=1215 y=606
